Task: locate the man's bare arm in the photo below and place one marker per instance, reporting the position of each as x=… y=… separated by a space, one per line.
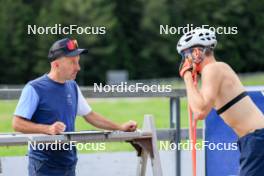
x=25 y=126
x=99 y=121
x=202 y=101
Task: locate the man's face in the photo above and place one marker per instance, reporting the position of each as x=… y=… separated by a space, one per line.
x=197 y=54
x=68 y=67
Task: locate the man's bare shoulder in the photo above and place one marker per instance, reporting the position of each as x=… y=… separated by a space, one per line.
x=216 y=67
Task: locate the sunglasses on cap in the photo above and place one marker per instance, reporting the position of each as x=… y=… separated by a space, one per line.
x=72 y=45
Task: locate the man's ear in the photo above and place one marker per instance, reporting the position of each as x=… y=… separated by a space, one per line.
x=55 y=64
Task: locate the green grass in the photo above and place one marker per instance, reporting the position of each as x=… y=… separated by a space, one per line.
x=255 y=79
x=118 y=110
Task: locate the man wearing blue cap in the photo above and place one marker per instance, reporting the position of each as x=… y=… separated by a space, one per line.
x=50 y=104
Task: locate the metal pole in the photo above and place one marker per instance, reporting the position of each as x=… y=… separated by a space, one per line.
x=1 y=167
x=175 y=122
x=172 y=113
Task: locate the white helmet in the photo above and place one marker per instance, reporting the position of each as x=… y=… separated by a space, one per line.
x=203 y=37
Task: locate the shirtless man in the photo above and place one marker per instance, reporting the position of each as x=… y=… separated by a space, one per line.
x=221 y=89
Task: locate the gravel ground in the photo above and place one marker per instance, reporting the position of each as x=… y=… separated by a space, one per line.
x=111 y=164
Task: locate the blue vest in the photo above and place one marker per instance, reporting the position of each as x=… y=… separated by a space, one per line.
x=57 y=102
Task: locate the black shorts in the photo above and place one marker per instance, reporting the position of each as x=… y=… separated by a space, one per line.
x=251 y=147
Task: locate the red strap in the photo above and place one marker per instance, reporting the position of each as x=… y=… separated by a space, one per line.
x=192 y=131
x=192 y=136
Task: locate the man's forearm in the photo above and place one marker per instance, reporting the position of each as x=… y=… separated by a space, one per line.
x=194 y=97
x=25 y=126
x=100 y=122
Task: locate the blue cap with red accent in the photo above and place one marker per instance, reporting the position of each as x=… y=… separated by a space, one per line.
x=65 y=47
